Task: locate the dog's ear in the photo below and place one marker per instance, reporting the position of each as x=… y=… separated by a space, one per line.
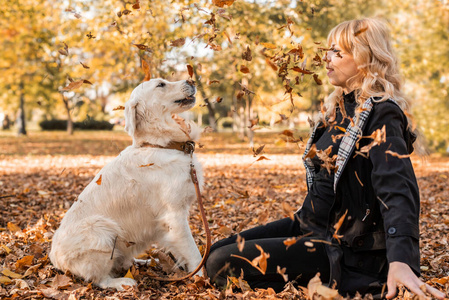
x=130 y=116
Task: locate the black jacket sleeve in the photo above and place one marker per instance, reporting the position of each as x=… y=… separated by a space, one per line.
x=395 y=185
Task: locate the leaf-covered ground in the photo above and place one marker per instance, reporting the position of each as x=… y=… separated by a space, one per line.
x=42 y=174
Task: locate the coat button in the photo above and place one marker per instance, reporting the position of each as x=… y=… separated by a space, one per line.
x=391 y=230
x=360 y=243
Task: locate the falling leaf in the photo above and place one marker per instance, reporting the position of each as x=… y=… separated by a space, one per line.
x=190 y=70
x=357 y=176
x=98 y=180
x=244 y=69
x=312 y=152
x=258 y=150
x=74 y=85
x=290 y=241
x=262 y=158
x=271 y=64
x=147 y=165
x=397 y=155
x=222 y=3
x=240 y=242
x=120 y=107
x=288 y=210
x=253 y=122
x=218 y=100
x=317 y=80
x=178 y=43
x=303 y=71
x=90 y=36
x=85 y=66
x=247 y=54
x=136 y=5
x=360 y=31
x=61 y=282
x=269 y=45
x=282 y=273
x=146 y=70
x=337 y=227
x=143 y=47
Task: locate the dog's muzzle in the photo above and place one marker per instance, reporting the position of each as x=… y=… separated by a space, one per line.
x=190 y=91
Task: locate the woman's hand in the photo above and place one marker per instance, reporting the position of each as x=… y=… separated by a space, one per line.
x=400 y=273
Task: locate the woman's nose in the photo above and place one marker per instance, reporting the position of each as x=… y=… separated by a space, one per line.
x=325 y=57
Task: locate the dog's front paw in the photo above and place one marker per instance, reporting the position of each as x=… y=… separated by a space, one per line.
x=117 y=283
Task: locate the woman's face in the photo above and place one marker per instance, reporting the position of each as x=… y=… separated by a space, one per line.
x=341 y=66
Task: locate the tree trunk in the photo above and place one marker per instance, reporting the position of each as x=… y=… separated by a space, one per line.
x=21 y=116
x=209 y=105
x=69 y=117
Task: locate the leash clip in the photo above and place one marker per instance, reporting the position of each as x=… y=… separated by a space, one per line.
x=188 y=147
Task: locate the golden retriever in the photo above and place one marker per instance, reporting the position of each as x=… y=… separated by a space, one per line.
x=141 y=197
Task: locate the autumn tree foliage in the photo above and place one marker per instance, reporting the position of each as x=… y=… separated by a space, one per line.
x=258 y=62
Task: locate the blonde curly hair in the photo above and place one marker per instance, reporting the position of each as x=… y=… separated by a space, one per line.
x=368 y=41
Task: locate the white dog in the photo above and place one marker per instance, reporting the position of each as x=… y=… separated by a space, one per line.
x=141 y=197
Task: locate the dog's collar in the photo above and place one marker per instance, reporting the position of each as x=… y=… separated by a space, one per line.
x=186 y=147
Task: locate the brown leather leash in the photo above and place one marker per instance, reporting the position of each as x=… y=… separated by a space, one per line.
x=188 y=148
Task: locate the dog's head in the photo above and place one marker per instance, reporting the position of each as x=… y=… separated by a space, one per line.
x=148 y=112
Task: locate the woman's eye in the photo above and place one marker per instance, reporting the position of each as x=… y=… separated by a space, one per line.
x=161 y=84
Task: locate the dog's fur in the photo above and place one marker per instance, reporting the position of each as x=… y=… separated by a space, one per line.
x=144 y=195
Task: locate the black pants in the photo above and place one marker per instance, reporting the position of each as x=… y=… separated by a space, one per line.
x=302 y=260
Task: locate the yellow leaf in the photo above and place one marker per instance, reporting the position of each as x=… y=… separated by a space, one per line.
x=129 y=274
x=268 y=45
x=7 y=250
x=11 y=274
x=98 y=180
x=13 y=227
x=24 y=262
x=5 y=280
x=73 y=85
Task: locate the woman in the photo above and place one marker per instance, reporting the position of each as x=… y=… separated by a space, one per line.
x=362 y=208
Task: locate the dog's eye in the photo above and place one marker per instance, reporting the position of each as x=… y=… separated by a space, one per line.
x=161 y=84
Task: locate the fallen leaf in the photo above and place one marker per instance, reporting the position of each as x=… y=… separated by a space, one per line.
x=13 y=228
x=129 y=274
x=25 y=261
x=240 y=242
x=61 y=282
x=11 y=274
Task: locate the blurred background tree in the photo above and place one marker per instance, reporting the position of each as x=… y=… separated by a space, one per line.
x=242 y=54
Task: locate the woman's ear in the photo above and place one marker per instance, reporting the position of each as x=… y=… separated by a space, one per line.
x=130 y=116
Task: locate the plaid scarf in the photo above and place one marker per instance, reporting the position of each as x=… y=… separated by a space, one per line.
x=347 y=145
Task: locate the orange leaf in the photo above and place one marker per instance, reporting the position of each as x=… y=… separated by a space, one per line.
x=288 y=210
x=24 y=262
x=317 y=80
x=73 y=85
x=146 y=70
x=98 y=180
x=268 y=45
x=244 y=69
x=240 y=242
x=120 y=107
x=13 y=227
x=337 y=226
x=221 y=3
x=147 y=165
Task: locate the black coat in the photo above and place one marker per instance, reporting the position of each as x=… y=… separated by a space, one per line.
x=381 y=197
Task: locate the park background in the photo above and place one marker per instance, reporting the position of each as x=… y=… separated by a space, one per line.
x=65 y=66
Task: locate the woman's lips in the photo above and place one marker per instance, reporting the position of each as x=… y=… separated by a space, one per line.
x=329 y=71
